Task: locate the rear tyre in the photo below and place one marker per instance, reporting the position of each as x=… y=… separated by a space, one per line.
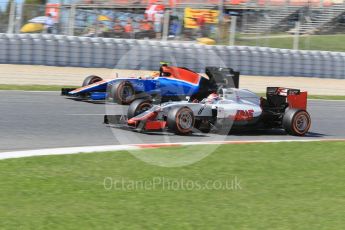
x=296 y=122
x=123 y=93
x=138 y=106
x=91 y=80
x=181 y=120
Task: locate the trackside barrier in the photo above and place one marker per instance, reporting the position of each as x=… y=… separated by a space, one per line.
x=61 y=50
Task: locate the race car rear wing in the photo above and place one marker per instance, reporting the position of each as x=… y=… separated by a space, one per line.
x=294 y=98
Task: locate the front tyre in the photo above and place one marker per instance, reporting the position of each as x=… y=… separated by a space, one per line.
x=296 y=122
x=123 y=93
x=91 y=80
x=138 y=107
x=181 y=120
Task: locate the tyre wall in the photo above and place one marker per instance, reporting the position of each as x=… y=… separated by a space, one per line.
x=60 y=50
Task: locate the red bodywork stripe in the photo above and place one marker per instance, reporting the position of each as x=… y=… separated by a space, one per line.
x=89 y=86
x=298 y=101
x=155 y=125
x=182 y=74
x=135 y=120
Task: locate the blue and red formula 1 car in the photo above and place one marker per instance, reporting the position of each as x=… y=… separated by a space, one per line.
x=169 y=84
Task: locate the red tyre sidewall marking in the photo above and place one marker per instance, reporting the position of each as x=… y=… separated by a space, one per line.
x=177 y=122
x=294 y=124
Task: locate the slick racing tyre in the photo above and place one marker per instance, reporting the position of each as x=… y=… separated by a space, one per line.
x=91 y=80
x=181 y=120
x=138 y=106
x=123 y=93
x=296 y=122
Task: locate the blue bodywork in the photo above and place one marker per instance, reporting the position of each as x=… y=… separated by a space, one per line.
x=163 y=86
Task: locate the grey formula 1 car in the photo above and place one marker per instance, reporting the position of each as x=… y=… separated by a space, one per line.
x=234 y=108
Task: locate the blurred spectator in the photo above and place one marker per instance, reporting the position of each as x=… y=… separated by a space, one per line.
x=145 y=30
x=49 y=24
x=201 y=21
x=118 y=27
x=102 y=28
x=175 y=28
x=224 y=28
x=145 y=25
x=129 y=28
x=90 y=31
x=158 y=21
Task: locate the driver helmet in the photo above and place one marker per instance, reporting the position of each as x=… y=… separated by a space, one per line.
x=212 y=98
x=165 y=71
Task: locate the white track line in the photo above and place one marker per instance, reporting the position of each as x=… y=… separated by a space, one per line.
x=64 y=151
x=107 y=148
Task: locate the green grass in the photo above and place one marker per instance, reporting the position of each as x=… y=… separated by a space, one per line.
x=313 y=42
x=325 y=97
x=34 y=87
x=283 y=186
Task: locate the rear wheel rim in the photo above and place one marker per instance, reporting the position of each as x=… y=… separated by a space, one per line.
x=302 y=123
x=127 y=93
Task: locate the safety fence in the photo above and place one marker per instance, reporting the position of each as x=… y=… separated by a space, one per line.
x=229 y=3
x=61 y=50
x=275 y=25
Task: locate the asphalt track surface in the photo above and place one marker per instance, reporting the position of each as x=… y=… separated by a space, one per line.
x=37 y=120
